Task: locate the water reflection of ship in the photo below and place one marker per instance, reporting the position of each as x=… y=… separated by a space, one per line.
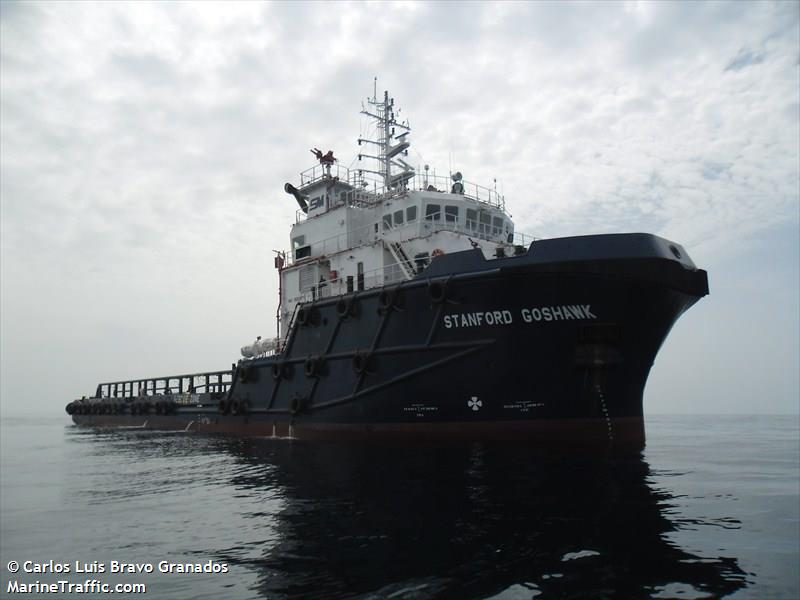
x=468 y=522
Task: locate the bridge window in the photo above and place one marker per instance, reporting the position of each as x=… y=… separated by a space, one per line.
x=497 y=226
x=301 y=250
x=387 y=222
x=451 y=214
x=472 y=219
x=411 y=214
x=433 y=212
x=398 y=217
x=486 y=223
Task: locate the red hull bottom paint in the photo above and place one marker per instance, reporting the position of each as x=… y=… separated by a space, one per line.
x=627 y=431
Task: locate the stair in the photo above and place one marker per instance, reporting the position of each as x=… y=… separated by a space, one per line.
x=401 y=258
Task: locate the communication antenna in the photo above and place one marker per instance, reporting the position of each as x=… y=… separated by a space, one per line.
x=389 y=154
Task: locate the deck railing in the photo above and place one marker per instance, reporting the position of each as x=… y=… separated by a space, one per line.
x=367 y=234
x=369 y=191
x=189 y=384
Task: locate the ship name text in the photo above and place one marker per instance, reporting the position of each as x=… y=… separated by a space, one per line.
x=563 y=312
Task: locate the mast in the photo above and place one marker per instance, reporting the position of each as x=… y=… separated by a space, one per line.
x=387 y=155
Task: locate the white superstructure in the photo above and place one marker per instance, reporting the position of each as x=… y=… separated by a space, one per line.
x=363 y=228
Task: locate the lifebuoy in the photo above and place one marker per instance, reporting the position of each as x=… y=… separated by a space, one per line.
x=437 y=252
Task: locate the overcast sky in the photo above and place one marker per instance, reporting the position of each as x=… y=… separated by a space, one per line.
x=143 y=150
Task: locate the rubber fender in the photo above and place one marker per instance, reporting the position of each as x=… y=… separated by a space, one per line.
x=437 y=290
x=297 y=404
x=302 y=316
x=362 y=362
x=313 y=366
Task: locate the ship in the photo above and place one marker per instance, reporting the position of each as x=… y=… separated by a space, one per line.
x=410 y=306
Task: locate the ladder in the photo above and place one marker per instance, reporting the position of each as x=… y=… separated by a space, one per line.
x=401 y=258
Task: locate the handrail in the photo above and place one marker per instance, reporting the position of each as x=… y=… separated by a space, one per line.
x=361 y=195
x=391 y=273
x=363 y=236
x=171 y=383
x=470 y=190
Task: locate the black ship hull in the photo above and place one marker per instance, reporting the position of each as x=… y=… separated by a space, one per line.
x=554 y=345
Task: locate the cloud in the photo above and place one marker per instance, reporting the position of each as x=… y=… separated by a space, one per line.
x=144 y=146
x=744 y=58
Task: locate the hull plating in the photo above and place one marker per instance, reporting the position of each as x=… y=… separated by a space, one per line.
x=521 y=348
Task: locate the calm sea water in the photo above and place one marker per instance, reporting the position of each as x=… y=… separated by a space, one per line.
x=710 y=509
